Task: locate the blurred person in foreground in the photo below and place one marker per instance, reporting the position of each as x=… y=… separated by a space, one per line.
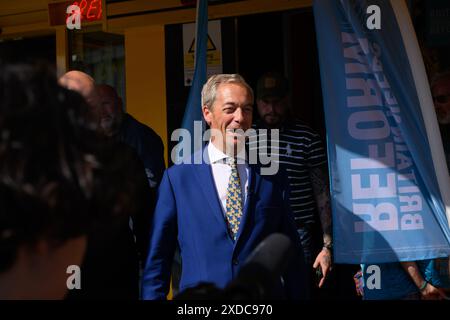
x=59 y=181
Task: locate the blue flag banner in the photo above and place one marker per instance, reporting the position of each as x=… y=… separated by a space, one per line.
x=193 y=111
x=386 y=199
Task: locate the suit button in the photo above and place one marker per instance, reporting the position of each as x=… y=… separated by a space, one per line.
x=235 y=262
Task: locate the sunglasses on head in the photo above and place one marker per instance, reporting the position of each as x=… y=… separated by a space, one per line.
x=442 y=99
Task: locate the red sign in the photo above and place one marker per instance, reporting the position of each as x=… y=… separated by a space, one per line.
x=91 y=10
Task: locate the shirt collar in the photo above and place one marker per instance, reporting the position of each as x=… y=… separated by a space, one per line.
x=217 y=156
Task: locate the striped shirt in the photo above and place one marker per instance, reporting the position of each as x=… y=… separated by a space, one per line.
x=300 y=149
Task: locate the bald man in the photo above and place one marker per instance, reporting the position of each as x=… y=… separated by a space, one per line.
x=114 y=122
x=80 y=82
x=111 y=266
x=110 y=112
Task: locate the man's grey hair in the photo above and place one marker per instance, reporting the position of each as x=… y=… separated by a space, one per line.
x=210 y=88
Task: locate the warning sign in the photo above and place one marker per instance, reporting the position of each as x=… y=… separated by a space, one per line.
x=213 y=53
x=210 y=45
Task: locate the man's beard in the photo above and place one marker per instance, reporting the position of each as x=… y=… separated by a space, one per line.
x=444 y=118
x=108 y=125
x=275 y=119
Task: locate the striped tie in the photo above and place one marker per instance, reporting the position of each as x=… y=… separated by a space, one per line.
x=234 y=200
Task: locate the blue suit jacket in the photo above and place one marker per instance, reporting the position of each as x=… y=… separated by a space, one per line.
x=188 y=212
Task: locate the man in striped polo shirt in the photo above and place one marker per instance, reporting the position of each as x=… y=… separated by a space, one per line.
x=303 y=157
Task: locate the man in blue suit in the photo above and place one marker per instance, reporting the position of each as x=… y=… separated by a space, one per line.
x=220 y=210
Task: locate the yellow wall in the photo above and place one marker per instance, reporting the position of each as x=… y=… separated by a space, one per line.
x=62 y=51
x=146 y=77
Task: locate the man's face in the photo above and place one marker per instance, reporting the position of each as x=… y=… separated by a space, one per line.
x=272 y=110
x=231 y=110
x=441 y=98
x=108 y=111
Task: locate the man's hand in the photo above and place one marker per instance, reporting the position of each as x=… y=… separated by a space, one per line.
x=319 y=178
x=324 y=261
x=430 y=292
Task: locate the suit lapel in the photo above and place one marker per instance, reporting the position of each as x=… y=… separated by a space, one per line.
x=206 y=183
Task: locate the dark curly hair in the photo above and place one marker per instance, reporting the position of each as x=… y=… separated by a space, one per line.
x=57 y=174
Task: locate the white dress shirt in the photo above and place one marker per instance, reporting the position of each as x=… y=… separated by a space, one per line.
x=221 y=172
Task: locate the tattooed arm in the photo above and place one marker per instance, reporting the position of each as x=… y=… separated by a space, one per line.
x=319 y=179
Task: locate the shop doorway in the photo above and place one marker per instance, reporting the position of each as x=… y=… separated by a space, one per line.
x=284 y=42
x=101 y=55
x=251 y=45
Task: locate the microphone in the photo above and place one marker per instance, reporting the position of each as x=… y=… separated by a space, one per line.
x=260 y=277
